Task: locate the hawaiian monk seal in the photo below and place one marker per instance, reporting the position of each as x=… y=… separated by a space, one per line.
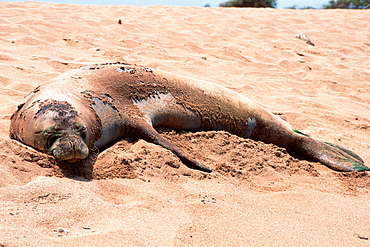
x=95 y=106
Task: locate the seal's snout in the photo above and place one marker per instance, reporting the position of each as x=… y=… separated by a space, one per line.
x=70 y=148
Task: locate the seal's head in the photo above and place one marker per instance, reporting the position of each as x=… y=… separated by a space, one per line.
x=52 y=127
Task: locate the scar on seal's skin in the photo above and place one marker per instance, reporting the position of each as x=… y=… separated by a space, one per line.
x=93 y=107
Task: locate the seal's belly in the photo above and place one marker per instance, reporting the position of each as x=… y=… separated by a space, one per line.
x=162 y=110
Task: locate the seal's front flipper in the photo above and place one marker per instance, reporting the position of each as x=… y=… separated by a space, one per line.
x=333 y=156
x=147 y=132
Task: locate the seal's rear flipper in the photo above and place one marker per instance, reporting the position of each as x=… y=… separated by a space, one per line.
x=147 y=132
x=333 y=156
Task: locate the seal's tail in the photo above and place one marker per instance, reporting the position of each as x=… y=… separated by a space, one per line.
x=333 y=156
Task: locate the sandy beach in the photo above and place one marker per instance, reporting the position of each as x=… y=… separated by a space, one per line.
x=140 y=194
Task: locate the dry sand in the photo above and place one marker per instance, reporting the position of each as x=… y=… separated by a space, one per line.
x=141 y=194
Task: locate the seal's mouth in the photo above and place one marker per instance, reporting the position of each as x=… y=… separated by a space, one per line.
x=72 y=160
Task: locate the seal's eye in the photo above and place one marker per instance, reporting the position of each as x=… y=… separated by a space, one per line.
x=83 y=134
x=81 y=130
x=51 y=135
x=51 y=140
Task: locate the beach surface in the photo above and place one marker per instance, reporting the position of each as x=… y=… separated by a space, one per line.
x=140 y=194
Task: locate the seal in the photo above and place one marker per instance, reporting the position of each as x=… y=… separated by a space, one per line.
x=95 y=106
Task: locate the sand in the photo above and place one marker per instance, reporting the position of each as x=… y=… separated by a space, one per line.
x=140 y=194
